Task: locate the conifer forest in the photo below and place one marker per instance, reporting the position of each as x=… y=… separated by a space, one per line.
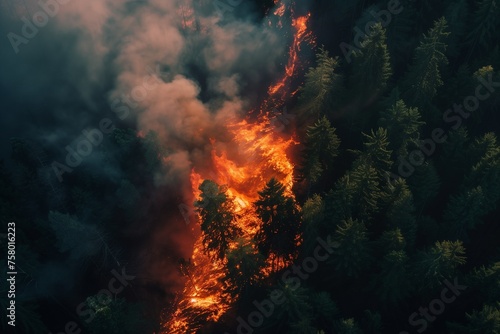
x=250 y=166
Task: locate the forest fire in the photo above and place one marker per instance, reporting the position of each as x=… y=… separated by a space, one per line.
x=258 y=153
x=301 y=34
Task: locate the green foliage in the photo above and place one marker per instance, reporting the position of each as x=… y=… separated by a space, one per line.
x=324 y=309
x=401 y=34
x=485 y=23
x=280 y=217
x=464 y=212
x=424 y=77
x=322 y=86
x=217 y=219
x=313 y=218
x=243 y=265
x=480 y=192
x=389 y=256
x=439 y=263
x=485 y=282
x=394 y=281
x=401 y=210
x=424 y=184
x=486 y=173
x=485 y=321
x=353 y=254
x=403 y=127
x=355 y=195
x=296 y=311
x=376 y=152
x=371 y=65
x=320 y=149
x=391 y=240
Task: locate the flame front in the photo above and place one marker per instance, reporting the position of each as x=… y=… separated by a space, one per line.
x=259 y=151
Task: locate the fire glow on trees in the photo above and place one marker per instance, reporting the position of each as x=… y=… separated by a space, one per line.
x=258 y=153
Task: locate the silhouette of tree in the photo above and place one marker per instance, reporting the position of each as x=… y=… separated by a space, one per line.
x=217 y=219
x=280 y=216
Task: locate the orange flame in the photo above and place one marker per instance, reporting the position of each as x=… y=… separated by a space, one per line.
x=258 y=153
x=301 y=34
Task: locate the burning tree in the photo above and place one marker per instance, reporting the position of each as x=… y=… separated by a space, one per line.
x=244 y=263
x=217 y=218
x=280 y=227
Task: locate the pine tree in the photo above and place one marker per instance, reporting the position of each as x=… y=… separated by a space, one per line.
x=401 y=35
x=296 y=311
x=424 y=77
x=484 y=281
x=391 y=240
x=371 y=65
x=313 y=220
x=424 y=184
x=324 y=309
x=322 y=86
x=486 y=173
x=403 y=127
x=464 y=212
x=243 y=265
x=321 y=147
x=353 y=254
x=439 y=263
x=480 y=192
x=401 y=210
x=217 y=219
x=393 y=284
x=376 y=153
x=356 y=195
x=280 y=218
x=484 y=25
x=485 y=321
